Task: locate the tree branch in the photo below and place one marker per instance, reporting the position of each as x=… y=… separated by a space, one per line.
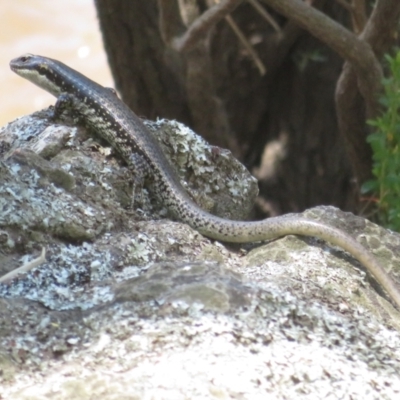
x=382 y=27
x=264 y=13
x=24 y=268
x=380 y=33
x=242 y=38
x=359 y=15
x=345 y=43
x=170 y=21
x=201 y=25
x=345 y=4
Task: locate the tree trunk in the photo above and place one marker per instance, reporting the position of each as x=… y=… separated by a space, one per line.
x=282 y=124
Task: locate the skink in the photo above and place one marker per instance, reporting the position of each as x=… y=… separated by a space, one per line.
x=111 y=119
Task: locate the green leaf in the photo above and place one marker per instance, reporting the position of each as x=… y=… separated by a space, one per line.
x=385 y=144
x=369 y=186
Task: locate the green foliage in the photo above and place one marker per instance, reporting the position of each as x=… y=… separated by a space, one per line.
x=385 y=143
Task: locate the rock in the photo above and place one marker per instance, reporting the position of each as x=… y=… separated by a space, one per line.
x=129 y=305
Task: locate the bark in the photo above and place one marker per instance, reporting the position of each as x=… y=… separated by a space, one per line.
x=148 y=76
x=198 y=28
x=341 y=40
x=196 y=70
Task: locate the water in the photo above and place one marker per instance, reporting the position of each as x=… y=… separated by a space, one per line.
x=64 y=30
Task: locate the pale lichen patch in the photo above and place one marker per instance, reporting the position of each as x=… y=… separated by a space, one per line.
x=151 y=308
x=208 y=171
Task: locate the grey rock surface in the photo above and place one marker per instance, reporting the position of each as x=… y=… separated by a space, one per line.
x=131 y=305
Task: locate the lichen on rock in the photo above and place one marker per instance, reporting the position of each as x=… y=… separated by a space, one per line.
x=128 y=303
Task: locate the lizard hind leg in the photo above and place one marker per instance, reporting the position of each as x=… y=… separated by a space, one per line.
x=139 y=170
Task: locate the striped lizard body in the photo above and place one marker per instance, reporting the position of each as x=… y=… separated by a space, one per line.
x=111 y=119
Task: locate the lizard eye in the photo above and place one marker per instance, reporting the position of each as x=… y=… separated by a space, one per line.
x=25 y=58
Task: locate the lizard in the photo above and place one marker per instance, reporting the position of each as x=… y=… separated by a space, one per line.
x=111 y=119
